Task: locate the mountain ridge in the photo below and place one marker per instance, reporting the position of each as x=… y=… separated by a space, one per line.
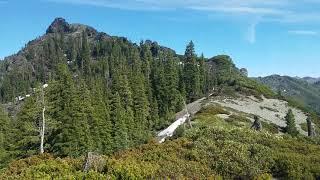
x=56 y=45
x=302 y=89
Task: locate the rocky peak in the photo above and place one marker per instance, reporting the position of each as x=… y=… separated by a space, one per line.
x=244 y=72
x=59 y=25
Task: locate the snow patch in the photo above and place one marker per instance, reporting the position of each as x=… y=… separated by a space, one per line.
x=170 y=130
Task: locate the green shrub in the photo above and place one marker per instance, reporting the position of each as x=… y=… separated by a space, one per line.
x=263 y=177
x=47 y=167
x=179 y=132
x=270 y=127
x=238 y=120
x=213 y=110
x=206 y=151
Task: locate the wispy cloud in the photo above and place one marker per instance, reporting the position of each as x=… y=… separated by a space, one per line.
x=121 y=4
x=303 y=32
x=275 y=10
x=278 y=11
x=241 y=10
x=251 y=33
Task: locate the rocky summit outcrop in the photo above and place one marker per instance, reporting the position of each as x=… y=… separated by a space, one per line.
x=244 y=72
x=59 y=25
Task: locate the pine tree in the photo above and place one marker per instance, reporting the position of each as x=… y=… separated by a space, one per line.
x=120 y=132
x=159 y=88
x=290 y=121
x=5 y=136
x=121 y=86
x=140 y=101
x=27 y=137
x=32 y=120
x=173 y=96
x=181 y=84
x=146 y=58
x=154 y=121
x=191 y=73
x=85 y=61
x=202 y=75
x=101 y=125
x=82 y=116
x=71 y=109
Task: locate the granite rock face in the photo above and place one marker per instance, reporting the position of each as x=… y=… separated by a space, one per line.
x=59 y=25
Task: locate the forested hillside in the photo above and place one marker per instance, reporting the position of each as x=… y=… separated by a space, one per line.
x=75 y=90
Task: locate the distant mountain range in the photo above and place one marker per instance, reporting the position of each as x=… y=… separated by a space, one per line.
x=306 y=90
x=312 y=80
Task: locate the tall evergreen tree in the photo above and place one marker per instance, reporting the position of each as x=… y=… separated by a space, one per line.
x=159 y=88
x=191 y=73
x=101 y=125
x=122 y=87
x=71 y=108
x=202 y=75
x=5 y=136
x=85 y=60
x=290 y=121
x=154 y=120
x=140 y=100
x=173 y=97
x=27 y=137
x=146 y=58
x=120 y=132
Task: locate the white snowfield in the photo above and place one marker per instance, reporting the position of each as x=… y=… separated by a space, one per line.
x=181 y=117
x=270 y=110
x=170 y=130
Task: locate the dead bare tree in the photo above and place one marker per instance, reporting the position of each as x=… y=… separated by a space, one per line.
x=311 y=128
x=43 y=123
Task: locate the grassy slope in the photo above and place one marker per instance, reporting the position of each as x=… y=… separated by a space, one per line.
x=213 y=148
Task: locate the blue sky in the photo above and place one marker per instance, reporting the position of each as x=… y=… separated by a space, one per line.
x=265 y=36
